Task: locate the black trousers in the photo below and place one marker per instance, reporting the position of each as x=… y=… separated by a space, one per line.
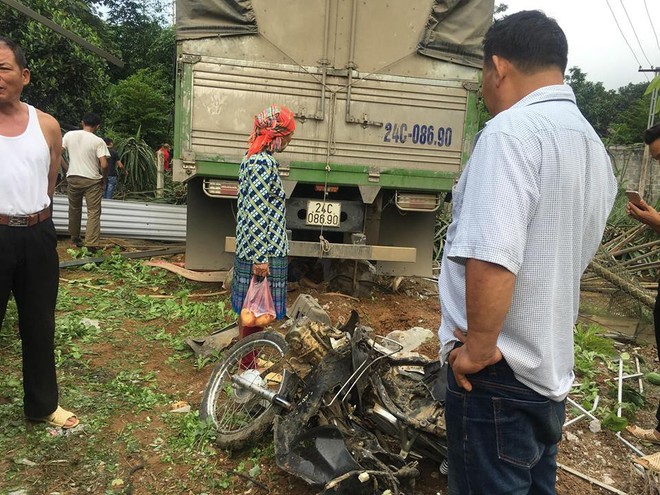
x=29 y=269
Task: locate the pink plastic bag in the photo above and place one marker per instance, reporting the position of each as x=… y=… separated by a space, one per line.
x=258 y=307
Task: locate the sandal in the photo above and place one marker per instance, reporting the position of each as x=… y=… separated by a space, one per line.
x=642 y=434
x=650 y=462
x=59 y=418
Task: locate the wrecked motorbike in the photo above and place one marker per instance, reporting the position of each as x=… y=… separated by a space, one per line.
x=350 y=414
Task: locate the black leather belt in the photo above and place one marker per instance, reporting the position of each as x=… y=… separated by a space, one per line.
x=25 y=220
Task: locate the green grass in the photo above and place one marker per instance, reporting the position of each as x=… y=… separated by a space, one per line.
x=122 y=360
x=596 y=357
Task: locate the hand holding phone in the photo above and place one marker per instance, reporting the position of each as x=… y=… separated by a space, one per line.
x=634 y=197
x=644 y=213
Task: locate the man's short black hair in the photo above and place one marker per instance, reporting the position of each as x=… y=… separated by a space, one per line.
x=91 y=119
x=19 y=55
x=529 y=39
x=652 y=133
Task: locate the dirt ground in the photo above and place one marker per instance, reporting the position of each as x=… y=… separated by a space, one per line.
x=601 y=456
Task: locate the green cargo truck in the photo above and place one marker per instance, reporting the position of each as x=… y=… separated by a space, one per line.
x=385 y=97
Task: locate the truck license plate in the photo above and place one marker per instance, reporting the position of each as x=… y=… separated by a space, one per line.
x=323 y=213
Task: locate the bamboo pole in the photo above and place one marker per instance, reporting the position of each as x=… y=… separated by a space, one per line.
x=603 y=290
x=629 y=287
x=632 y=261
x=634 y=248
x=622 y=239
x=590 y=479
x=620 y=236
x=647 y=266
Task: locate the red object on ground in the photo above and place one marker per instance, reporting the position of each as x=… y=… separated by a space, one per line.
x=249 y=361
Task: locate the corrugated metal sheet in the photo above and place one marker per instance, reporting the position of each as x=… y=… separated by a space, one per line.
x=129 y=219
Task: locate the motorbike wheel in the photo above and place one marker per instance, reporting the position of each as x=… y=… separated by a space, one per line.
x=239 y=415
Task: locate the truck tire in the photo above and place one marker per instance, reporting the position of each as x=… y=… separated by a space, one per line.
x=239 y=415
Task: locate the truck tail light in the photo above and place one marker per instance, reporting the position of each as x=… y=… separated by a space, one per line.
x=221 y=188
x=407 y=201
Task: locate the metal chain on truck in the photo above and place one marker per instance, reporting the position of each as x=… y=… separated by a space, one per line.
x=325 y=244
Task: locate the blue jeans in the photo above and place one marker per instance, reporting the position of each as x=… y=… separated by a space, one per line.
x=110 y=185
x=502 y=436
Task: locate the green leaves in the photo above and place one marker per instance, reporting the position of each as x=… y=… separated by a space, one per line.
x=612 y=422
x=68 y=80
x=141 y=105
x=595 y=356
x=139 y=164
x=619 y=117
x=654 y=84
x=590 y=341
x=193 y=435
x=139 y=390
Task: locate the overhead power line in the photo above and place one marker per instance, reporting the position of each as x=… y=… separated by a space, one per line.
x=639 y=64
x=62 y=31
x=652 y=27
x=632 y=26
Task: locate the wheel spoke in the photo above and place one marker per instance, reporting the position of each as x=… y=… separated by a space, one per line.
x=236 y=408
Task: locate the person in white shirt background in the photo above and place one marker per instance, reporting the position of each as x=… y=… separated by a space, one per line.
x=86 y=172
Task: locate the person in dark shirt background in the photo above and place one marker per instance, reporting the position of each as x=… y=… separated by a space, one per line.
x=114 y=163
x=647 y=214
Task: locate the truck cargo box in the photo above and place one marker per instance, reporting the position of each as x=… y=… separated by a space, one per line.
x=384 y=94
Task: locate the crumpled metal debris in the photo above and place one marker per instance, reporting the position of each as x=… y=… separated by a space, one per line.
x=214 y=343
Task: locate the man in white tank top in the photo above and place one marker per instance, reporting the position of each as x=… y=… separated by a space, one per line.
x=30 y=147
x=85 y=174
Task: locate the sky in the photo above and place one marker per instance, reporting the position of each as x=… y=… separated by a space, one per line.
x=595 y=43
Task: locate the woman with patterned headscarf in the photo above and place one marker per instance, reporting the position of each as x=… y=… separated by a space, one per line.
x=261 y=243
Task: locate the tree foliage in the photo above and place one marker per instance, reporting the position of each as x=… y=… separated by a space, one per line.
x=139 y=31
x=596 y=103
x=141 y=101
x=142 y=93
x=619 y=117
x=138 y=159
x=631 y=115
x=500 y=9
x=66 y=80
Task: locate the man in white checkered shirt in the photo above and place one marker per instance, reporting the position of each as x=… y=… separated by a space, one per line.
x=528 y=215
